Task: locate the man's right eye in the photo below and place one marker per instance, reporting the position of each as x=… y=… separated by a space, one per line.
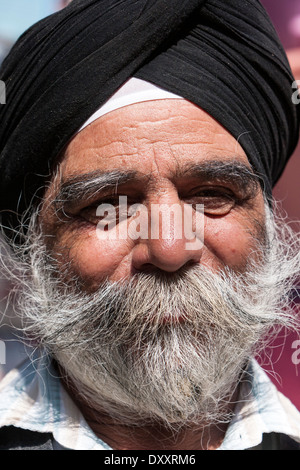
x=107 y=213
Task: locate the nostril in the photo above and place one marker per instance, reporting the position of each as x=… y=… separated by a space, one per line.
x=146 y=268
x=153 y=254
x=191 y=263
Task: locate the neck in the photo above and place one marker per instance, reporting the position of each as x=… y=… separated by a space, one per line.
x=156 y=437
x=151 y=436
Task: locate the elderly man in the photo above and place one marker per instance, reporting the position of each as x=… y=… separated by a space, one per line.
x=125 y=123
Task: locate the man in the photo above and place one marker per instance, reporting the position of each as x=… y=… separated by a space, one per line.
x=139 y=146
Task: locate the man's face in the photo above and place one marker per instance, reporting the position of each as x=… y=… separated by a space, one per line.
x=164 y=152
x=171 y=340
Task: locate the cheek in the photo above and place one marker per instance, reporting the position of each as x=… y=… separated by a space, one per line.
x=94 y=260
x=229 y=242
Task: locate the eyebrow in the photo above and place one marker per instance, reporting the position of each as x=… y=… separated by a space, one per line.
x=86 y=186
x=76 y=189
x=235 y=173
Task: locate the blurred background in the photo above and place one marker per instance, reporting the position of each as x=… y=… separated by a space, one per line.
x=16 y=16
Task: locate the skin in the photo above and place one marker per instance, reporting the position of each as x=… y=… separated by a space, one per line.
x=156 y=139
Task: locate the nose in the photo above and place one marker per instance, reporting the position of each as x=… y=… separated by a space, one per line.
x=171 y=242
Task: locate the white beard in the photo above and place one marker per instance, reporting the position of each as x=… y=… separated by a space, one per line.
x=169 y=348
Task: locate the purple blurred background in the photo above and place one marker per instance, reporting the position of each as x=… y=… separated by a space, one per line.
x=285 y=15
x=285 y=370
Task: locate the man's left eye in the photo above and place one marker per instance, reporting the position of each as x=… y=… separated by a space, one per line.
x=215 y=202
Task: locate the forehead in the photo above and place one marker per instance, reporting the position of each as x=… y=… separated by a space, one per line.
x=151 y=137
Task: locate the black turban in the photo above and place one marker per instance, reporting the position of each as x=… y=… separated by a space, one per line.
x=223 y=55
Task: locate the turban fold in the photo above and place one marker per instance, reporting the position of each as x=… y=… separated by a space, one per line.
x=222 y=55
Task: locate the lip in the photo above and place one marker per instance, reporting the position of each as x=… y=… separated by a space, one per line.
x=173 y=319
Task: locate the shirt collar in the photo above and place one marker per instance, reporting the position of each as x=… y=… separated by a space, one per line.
x=32 y=397
x=260 y=409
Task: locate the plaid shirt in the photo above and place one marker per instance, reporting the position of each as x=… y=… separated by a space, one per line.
x=33 y=398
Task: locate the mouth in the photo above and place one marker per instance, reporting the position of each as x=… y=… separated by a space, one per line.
x=172 y=318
